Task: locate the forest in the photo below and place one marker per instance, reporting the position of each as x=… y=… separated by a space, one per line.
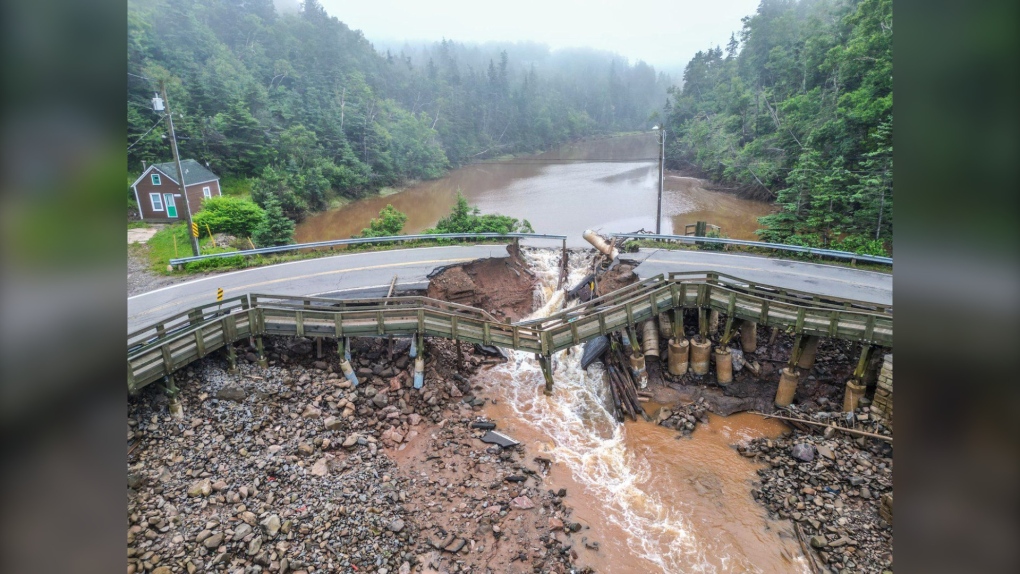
x=798 y=109
x=300 y=108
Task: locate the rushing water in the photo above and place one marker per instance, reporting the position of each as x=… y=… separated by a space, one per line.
x=653 y=502
x=563 y=191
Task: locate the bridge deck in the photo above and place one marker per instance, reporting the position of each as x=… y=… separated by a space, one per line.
x=163 y=348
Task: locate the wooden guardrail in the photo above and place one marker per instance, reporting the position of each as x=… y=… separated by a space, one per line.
x=161 y=349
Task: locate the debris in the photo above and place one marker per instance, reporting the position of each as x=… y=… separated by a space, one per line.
x=493 y=437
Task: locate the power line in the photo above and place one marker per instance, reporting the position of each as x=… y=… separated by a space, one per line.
x=146 y=132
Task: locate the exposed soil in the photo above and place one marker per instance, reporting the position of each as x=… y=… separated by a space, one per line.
x=616 y=278
x=505 y=287
x=292 y=468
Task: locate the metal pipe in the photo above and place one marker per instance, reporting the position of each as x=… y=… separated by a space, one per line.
x=650 y=339
x=601 y=244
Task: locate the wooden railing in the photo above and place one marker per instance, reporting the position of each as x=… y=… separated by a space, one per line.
x=161 y=349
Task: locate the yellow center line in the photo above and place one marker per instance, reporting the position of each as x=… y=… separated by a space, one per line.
x=247 y=288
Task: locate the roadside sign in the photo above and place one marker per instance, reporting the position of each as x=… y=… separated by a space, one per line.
x=194 y=229
x=219 y=293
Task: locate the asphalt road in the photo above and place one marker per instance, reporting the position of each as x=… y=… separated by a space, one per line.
x=366 y=273
x=845 y=282
x=370 y=273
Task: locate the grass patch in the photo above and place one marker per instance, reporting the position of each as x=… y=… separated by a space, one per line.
x=632 y=245
x=161 y=246
x=138 y=225
x=236 y=187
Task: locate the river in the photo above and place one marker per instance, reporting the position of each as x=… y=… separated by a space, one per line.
x=653 y=502
x=608 y=184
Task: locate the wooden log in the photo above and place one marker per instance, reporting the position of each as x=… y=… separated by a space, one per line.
x=854 y=432
x=618 y=408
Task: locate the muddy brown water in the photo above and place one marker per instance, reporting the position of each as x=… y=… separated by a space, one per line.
x=653 y=502
x=564 y=191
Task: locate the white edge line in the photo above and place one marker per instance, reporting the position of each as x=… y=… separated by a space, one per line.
x=277 y=265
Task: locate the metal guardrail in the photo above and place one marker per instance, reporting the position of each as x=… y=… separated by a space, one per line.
x=760 y=245
x=363 y=240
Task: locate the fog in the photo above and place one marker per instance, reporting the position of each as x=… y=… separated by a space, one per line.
x=664 y=33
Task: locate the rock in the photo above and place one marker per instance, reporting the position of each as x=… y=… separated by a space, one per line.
x=818 y=542
x=333 y=423
x=231 y=392
x=162 y=570
x=555 y=523
x=242 y=531
x=826 y=452
x=134 y=480
x=803 y=452
x=271 y=525
x=254 y=546
x=320 y=468
x=380 y=400
x=321 y=365
x=456 y=545
x=213 y=541
x=351 y=440
x=522 y=503
x=200 y=488
x=305 y=449
x=561 y=492
x=396 y=526
x=311 y=412
x=219 y=485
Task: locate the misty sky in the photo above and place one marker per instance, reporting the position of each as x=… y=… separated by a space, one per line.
x=664 y=33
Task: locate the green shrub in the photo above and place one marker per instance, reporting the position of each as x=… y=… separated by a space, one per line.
x=276 y=228
x=225 y=214
x=861 y=245
x=713 y=246
x=389 y=222
x=466 y=219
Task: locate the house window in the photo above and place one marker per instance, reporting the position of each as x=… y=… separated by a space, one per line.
x=156 y=181
x=206 y=192
x=157 y=200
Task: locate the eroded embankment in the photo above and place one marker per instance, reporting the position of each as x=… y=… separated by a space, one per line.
x=504 y=286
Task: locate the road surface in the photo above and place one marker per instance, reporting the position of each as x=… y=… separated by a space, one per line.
x=845 y=282
x=367 y=273
x=370 y=273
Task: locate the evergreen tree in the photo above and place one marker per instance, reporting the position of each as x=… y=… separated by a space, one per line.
x=276 y=228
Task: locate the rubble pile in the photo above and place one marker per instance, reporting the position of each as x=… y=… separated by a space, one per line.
x=292 y=468
x=684 y=418
x=833 y=488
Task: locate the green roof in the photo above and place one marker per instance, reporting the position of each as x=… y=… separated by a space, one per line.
x=194 y=172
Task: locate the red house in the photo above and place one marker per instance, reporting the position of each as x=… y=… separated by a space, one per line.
x=158 y=192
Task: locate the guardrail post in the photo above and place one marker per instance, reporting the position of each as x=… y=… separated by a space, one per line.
x=232 y=357
x=263 y=362
x=170 y=388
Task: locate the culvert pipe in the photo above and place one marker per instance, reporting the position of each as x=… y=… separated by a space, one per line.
x=601 y=244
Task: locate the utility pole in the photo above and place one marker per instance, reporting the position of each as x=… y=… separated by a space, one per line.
x=180 y=172
x=662 y=159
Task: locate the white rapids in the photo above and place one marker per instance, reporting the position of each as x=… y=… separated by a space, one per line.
x=587 y=438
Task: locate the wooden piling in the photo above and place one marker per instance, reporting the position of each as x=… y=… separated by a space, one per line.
x=545 y=361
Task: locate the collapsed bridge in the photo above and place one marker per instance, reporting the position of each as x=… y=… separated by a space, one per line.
x=158 y=351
